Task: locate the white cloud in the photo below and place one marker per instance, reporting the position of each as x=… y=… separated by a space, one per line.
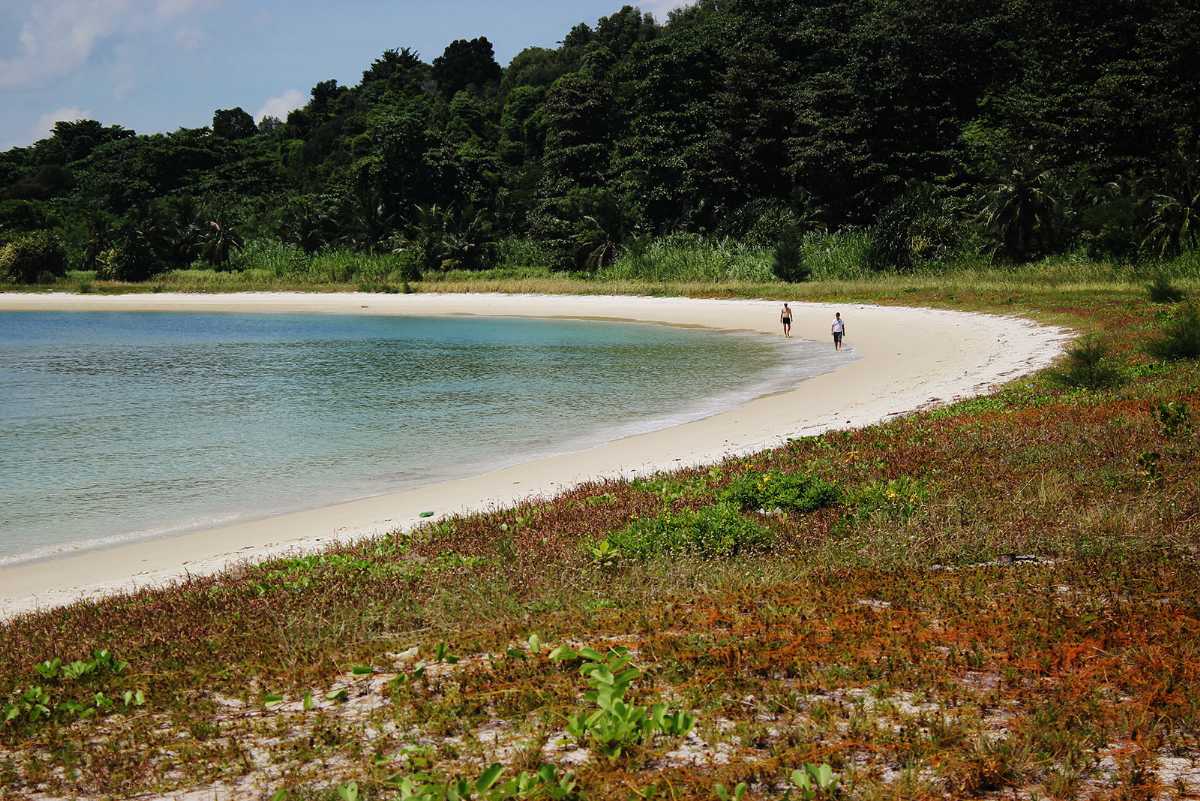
x=59 y=36
x=45 y=123
x=660 y=8
x=279 y=107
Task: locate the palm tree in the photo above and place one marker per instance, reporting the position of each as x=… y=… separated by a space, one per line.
x=1174 y=220
x=1022 y=214
x=219 y=243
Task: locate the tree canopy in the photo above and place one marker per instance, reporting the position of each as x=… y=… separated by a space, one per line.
x=831 y=112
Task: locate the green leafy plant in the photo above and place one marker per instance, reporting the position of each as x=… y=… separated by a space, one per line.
x=617 y=725
x=737 y=794
x=771 y=491
x=1089 y=365
x=1180 y=338
x=787 y=262
x=814 y=781
x=32 y=258
x=1173 y=417
x=895 y=499
x=73 y=692
x=441 y=653
x=1161 y=290
x=719 y=530
x=1149 y=465
x=546 y=783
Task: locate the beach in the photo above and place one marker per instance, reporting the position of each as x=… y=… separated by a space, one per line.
x=904 y=359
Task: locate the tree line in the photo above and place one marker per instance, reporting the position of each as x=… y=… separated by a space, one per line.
x=996 y=126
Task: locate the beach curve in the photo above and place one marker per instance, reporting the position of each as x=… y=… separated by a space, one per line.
x=909 y=358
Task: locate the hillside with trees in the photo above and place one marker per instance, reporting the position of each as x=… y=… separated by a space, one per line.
x=928 y=129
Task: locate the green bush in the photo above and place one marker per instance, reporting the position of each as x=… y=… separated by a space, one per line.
x=788 y=262
x=837 y=256
x=790 y=492
x=33 y=258
x=690 y=257
x=1181 y=336
x=895 y=499
x=1089 y=366
x=520 y=253
x=714 y=531
x=1161 y=290
x=918 y=228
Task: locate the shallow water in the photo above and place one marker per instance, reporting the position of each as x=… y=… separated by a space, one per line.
x=118 y=425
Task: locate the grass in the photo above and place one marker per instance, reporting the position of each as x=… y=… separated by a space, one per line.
x=998 y=601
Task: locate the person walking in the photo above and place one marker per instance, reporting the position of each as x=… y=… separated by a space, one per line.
x=785 y=317
x=839 y=330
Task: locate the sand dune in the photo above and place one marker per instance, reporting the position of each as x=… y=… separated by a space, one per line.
x=907 y=359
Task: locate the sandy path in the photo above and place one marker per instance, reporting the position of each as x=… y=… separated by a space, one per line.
x=908 y=358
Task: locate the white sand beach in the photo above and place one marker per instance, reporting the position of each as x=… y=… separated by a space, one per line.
x=907 y=359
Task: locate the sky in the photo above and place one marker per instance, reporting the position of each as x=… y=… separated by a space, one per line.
x=159 y=65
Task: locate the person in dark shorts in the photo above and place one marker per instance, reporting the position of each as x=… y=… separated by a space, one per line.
x=839 y=330
x=785 y=317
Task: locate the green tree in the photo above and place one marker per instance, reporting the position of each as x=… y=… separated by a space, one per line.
x=233 y=123
x=466 y=64
x=1021 y=214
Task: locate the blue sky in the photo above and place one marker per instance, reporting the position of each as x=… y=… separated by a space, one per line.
x=157 y=65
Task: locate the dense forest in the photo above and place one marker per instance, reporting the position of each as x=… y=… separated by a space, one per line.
x=932 y=128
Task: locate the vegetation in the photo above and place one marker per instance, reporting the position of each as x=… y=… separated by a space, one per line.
x=736 y=141
x=1180 y=337
x=1089 y=366
x=999 y=600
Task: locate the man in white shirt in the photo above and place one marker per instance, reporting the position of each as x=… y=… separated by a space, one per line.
x=839 y=330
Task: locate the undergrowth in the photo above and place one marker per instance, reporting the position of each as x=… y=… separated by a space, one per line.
x=998 y=600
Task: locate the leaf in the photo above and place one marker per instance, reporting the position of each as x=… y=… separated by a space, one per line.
x=563 y=653
x=362 y=670
x=272 y=698
x=309 y=703
x=348 y=791
x=427 y=514
x=338 y=695
x=489 y=778
x=279 y=795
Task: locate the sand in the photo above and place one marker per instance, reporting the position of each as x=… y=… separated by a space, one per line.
x=908 y=359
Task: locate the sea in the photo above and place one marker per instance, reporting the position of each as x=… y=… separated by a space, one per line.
x=117 y=426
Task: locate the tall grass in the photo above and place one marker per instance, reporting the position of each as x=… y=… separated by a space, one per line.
x=690 y=258
x=327 y=266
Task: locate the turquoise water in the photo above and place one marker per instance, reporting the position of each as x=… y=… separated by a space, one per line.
x=123 y=425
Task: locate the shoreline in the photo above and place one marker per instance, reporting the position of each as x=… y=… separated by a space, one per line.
x=906 y=359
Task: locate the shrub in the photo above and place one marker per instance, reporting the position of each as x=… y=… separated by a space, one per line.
x=132 y=259
x=1089 y=366
x=919 y=227
x=789 y=492
x=788 y=262
x=690 y=257
x=896 y=499
x=1181 y=336
x=30 y=258
x=714 y=531
x=522 y=252
x=1161 y=290
x=837 y=256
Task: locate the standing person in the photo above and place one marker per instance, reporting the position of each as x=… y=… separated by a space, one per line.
x=839 y=330
x=785 y=317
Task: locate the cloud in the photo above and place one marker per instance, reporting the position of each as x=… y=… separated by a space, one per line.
x=59 y=36
x=660 y=8
x=45 y=123
x=279 y=107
